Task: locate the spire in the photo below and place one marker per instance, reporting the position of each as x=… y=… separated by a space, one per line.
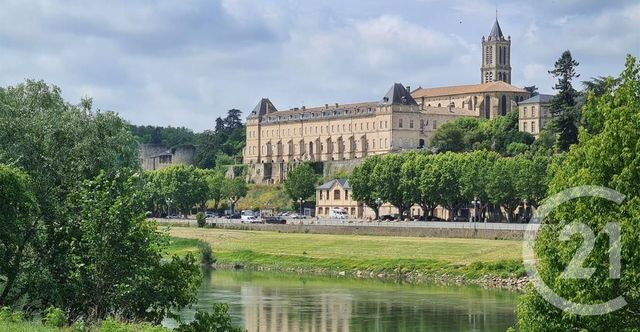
x=496 y=32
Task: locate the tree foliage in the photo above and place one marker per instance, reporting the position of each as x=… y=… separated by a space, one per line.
x=609 y=158
x=301 y=182
x=563 y=105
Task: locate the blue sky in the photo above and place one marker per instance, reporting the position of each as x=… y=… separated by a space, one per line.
x=184 y=63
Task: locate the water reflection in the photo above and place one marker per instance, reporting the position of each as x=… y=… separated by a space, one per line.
x=265 y=302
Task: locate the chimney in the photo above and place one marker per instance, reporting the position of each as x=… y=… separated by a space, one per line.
x=326 y=106
x=337 y=105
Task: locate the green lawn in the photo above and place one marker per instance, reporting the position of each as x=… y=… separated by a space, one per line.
x=378 y=253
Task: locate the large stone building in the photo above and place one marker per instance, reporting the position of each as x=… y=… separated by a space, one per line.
x=400 y=120
x=158 y=156
x=534 y=114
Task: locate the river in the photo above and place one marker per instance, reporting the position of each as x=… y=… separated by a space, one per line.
x=264 y=301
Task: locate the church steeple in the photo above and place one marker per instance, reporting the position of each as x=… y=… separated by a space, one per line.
x=496 y=56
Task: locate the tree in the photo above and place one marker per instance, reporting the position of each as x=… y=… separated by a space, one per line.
x=385 y=179
x=19 y=211
x=118 y=265
x=362 y=184
x=600 y=85
x=215 y=181
x=446 y=174
x=182 y=187
x=415 y=182
x=233 y=120
x=501 y=185
x=563 y=104
x=58 y=144
x=301 y=183
x=609 y=158
x=533 y=90
x=216 y=321
x=449 y=137
x=233 y=190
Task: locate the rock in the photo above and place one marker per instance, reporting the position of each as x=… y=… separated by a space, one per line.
x=342 y=273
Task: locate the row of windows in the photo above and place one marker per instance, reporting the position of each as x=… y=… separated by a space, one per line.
x=533 y=127
x=532 y=113
x=336 y=194
x=310 y=115
x=345 y=128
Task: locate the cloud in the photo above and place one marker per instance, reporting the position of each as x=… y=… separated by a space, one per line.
x=185 y=62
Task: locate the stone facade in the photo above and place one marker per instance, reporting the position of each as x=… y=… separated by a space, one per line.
x=402 y=120
x=534 y=114
x=158 y=156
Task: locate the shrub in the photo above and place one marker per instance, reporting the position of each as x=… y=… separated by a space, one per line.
x=206 y=254
x=54 y=317
x=201 y=219
x=216 y=321
x=112 y=325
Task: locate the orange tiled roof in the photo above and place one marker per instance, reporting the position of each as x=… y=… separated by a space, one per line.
x=497 y=86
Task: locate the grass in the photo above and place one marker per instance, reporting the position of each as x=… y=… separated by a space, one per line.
x=293 y=251
x=26 y=327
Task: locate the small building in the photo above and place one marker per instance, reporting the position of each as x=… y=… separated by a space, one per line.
x=336 y=194
x=534 y=114
x=158 y=156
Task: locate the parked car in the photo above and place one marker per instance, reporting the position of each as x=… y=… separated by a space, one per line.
x=297 y=216
x=210 y=214
x=274 y=220
x=250 y=219
x=338 y=213
x=233 y=216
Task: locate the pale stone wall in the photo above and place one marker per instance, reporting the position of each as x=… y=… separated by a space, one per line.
x=533 y=117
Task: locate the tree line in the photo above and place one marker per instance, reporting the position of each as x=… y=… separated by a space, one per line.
x=502 y=185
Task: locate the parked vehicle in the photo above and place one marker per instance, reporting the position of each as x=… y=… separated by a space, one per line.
x=210 y=214
x=297 y=216
x=274 y=220
x=337 y=213
x=249 y=219
x=233 y=216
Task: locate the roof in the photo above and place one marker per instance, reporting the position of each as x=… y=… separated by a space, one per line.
x=344 y=183
x=265 y=106
x=537 y=99
x=496 y=32
x=497 y=86
x=398 y=95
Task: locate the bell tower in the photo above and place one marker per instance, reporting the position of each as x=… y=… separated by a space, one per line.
x=496 y=56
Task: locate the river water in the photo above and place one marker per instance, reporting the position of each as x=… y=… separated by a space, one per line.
x=263 y=301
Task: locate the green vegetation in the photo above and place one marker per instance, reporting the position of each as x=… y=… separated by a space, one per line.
x=608 y=155
x=75 y=246
x=301 y=183
x=215 y=148
x=566 y=114
x=453 y=180
x=471 y=134
x=332 y=253
x=260 y=196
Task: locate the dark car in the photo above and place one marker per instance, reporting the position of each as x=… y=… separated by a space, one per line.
x=387 y=217
x=233 y=216
x=274 y=220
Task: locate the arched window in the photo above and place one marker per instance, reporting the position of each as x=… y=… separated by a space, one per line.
x=439 y=105
x=475 y=102
x=487 y=107
x=503 y=105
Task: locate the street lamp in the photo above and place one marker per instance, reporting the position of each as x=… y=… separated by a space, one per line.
x=378 y=203
x=301 y=202
x=169 y=201
x=476 y=205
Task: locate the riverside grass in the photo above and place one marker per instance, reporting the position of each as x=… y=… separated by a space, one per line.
x=328 y=254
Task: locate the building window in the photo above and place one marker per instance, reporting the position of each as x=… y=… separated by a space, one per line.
x=525 y=127
x=533 y=111
x=533 y=127
x=346 y=194
x=399 y=123
x=410 y=123
x=336 y=194
x=165 y=159
x=435 y=124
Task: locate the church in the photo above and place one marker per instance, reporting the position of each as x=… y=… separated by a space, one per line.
x=277 y=140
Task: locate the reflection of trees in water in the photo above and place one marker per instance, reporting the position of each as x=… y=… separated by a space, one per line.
x=300 y=309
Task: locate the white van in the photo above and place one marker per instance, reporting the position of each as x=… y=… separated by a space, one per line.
x=337 y=213
x=249 y=219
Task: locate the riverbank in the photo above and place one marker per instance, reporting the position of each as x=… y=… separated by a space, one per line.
x=492 y=263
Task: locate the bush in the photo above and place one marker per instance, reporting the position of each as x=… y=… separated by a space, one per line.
x=111 y=325
x=216 y=321
x=54 y=317
x=201 y=219
x=206 y=254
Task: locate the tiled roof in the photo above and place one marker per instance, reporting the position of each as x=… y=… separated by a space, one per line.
x=398 y=95
x=496 y=32
x=497 y=86
x=265 y=106
x=344 y=183
x=538 y=99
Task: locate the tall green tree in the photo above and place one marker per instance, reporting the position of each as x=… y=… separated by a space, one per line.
x=610 y=158
x=563 y=105
x=58 y=144
x=182 y=187
x=18 y=234
x=119 y=268
x=215 y=181
x=362 y=185
x=385 y=179
x=533 y=90
x=301 y=183
x=233 y=190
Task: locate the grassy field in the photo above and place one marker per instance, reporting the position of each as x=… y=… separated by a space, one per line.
x=286 y=251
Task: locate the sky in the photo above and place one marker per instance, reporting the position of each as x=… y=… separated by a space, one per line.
x=186 y=62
